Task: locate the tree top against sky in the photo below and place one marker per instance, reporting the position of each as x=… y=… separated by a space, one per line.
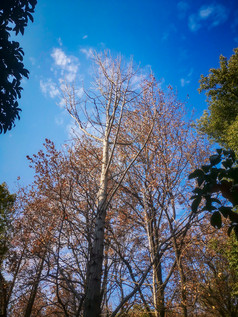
x=220 y=122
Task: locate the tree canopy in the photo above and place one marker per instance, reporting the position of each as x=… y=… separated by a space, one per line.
x=218 y=177
x=6 y=203
x=14 y=15
x=220 y=122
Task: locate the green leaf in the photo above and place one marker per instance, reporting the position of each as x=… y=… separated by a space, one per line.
x=222 y=174
x=219 y=151
x=200 y=181
x=227 y=163
x=209 y=208
x=208 y=205
x=225 y=211
x=206 y=168
x=216 y=220
x=233 y=173
x=215 y=200
x=215 y=159
x=198 y=191
x=196 y=173
x=233 y=216
x=229 y=153
x=196 y=203
x=214 y=172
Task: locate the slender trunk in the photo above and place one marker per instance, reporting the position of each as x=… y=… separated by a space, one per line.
x=160 y=307
x=183 y=291
x=31 y=300
x=12 y=284
x=3 y=296
x=182 y=278
x=177 y=251
x=93 y=298
x=158 y=287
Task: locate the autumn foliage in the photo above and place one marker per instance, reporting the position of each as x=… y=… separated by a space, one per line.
x=106 y=228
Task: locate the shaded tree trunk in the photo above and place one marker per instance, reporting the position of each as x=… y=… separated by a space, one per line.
x=33 y=293
x=3 y=296
x=93 y=298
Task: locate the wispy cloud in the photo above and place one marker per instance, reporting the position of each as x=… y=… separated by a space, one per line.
x=208 y=15
x=64 y=70
x=67 y=64
x=184 y=82
x=48 y=87
x=87 y=52
x=60 y=41
x=32 y=60
x=205 y=12
x=85 y=37
x=194 y=23
x=187 y=79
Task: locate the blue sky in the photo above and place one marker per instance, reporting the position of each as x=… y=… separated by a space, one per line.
x=179 y=40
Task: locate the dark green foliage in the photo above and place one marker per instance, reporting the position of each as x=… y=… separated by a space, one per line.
x=216 y=219
x=14 y=15
x=6 y=204
x=6 y=208
x=220 y=122
x=218 y=177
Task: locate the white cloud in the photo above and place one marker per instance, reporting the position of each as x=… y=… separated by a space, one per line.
x=49 y=88
x=79 y=92
x=61 y=103
x=60 y=57
x=213 y=15
x=205 y=12
x=60 y=41
x=87 y=52
x=67 y=64
x=185 y=81
x=32 y=60
x=193 y=23
x=85 y=37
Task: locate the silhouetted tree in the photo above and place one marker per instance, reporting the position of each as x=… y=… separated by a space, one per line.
x=14 y=16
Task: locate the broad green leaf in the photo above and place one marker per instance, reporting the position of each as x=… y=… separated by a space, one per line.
x=196 y=173
x=200 y=181
x=215 y=159
x=227 y=163
x=225 y=211
x=196 y=203
x=206 y=168
x=216 y=220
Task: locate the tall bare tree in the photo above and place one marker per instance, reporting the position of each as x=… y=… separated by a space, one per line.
x=118 y=91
